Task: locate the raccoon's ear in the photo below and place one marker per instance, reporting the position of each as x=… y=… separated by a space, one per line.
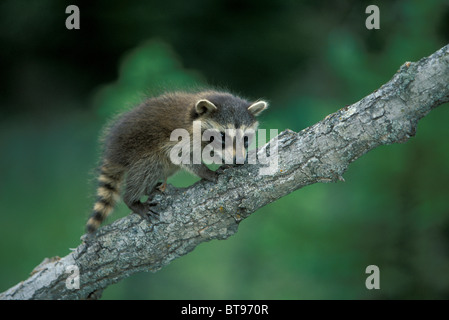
x=204 y=106
x=257 y=107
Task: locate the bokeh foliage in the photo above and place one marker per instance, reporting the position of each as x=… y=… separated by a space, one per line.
x=308 y=58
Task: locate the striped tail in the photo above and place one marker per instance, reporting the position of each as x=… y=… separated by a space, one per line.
x=108 y=193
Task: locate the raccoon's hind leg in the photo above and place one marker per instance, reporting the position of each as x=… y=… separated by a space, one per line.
x=132 y=196
x=137 y=183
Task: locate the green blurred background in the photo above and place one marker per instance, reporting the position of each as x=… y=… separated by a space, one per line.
x=308 y=58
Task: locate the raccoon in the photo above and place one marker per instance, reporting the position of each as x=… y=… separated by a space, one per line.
x=137 y=145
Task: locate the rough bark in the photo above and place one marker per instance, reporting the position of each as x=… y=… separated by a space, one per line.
x=206 y=211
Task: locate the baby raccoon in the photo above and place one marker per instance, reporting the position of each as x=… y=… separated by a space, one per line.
x=137 y=146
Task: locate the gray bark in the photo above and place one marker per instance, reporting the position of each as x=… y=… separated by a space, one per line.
x=206 y=211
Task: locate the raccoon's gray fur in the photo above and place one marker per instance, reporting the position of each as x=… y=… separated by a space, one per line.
x=136 y=150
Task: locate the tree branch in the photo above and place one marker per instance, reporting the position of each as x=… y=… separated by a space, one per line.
x=205 y=211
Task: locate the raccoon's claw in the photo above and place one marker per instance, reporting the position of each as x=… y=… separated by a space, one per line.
x=150 y=217
x=151 y=213
x=223 y=168
x=146 y=213
x=161 y=187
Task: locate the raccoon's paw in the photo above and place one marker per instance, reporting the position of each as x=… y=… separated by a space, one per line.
x=145 y=211
x=210 y=175
x=223 y=168
x=162 y=186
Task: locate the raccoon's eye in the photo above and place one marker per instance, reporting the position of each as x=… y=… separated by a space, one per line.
x=223 y=139
x=245 y=142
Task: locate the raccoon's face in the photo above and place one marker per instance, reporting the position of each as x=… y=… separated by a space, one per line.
x=228 y=126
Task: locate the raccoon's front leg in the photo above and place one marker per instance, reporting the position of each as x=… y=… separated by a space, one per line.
x=202 y=171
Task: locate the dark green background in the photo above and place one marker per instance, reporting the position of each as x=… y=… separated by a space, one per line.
x=308 y=58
